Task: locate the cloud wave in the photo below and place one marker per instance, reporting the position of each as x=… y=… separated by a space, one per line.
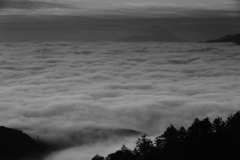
x=77 y=93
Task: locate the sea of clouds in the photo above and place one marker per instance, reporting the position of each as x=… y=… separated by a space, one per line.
x=84 y=96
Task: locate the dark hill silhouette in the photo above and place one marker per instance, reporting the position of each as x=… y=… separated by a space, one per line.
x=15 y=144
x=235 y=38
x=153 y=33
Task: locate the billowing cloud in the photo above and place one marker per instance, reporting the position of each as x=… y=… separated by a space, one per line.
x=79 y=94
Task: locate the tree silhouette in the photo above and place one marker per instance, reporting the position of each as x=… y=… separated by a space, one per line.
x=233 y=122
x=144 y=149
x=159 y=143
x=98 y=157
x=218 y=125
x=193 y=130
x=124 y=153
x=128 y=154
x=206 y=127
x=203 y=140
x=181 y=135
x=170 y=135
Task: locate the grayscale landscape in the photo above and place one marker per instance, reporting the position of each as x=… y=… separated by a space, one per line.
x=83 y=78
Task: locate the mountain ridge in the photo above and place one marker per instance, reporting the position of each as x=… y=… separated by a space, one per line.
x=152 y=33
x=235 y=38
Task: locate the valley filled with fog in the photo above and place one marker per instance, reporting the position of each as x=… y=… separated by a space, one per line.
x=91 y=97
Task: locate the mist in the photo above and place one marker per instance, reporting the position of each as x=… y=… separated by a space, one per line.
x=87 y=98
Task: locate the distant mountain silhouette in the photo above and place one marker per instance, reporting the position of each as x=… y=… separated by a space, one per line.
x=235 y=38
x=153 y=33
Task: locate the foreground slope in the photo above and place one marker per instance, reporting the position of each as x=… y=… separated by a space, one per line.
x=15 y=144
x=153 y=33
x=202 y=140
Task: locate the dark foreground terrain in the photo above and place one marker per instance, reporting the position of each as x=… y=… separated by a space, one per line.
x=16 y=145
x=203 y=140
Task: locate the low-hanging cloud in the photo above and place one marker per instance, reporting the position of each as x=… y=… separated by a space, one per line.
x=79 y=94
x=32 y=4
x=132 y=8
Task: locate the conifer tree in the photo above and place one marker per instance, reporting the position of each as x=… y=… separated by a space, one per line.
x=144 y=149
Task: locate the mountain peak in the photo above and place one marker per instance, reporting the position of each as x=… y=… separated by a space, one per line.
x=152 y=33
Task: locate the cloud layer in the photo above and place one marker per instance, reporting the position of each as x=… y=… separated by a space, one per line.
x=79 y=93
x=30 y=4
x=135 y=8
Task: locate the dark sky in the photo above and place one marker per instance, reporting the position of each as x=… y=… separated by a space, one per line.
x=51 y=20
